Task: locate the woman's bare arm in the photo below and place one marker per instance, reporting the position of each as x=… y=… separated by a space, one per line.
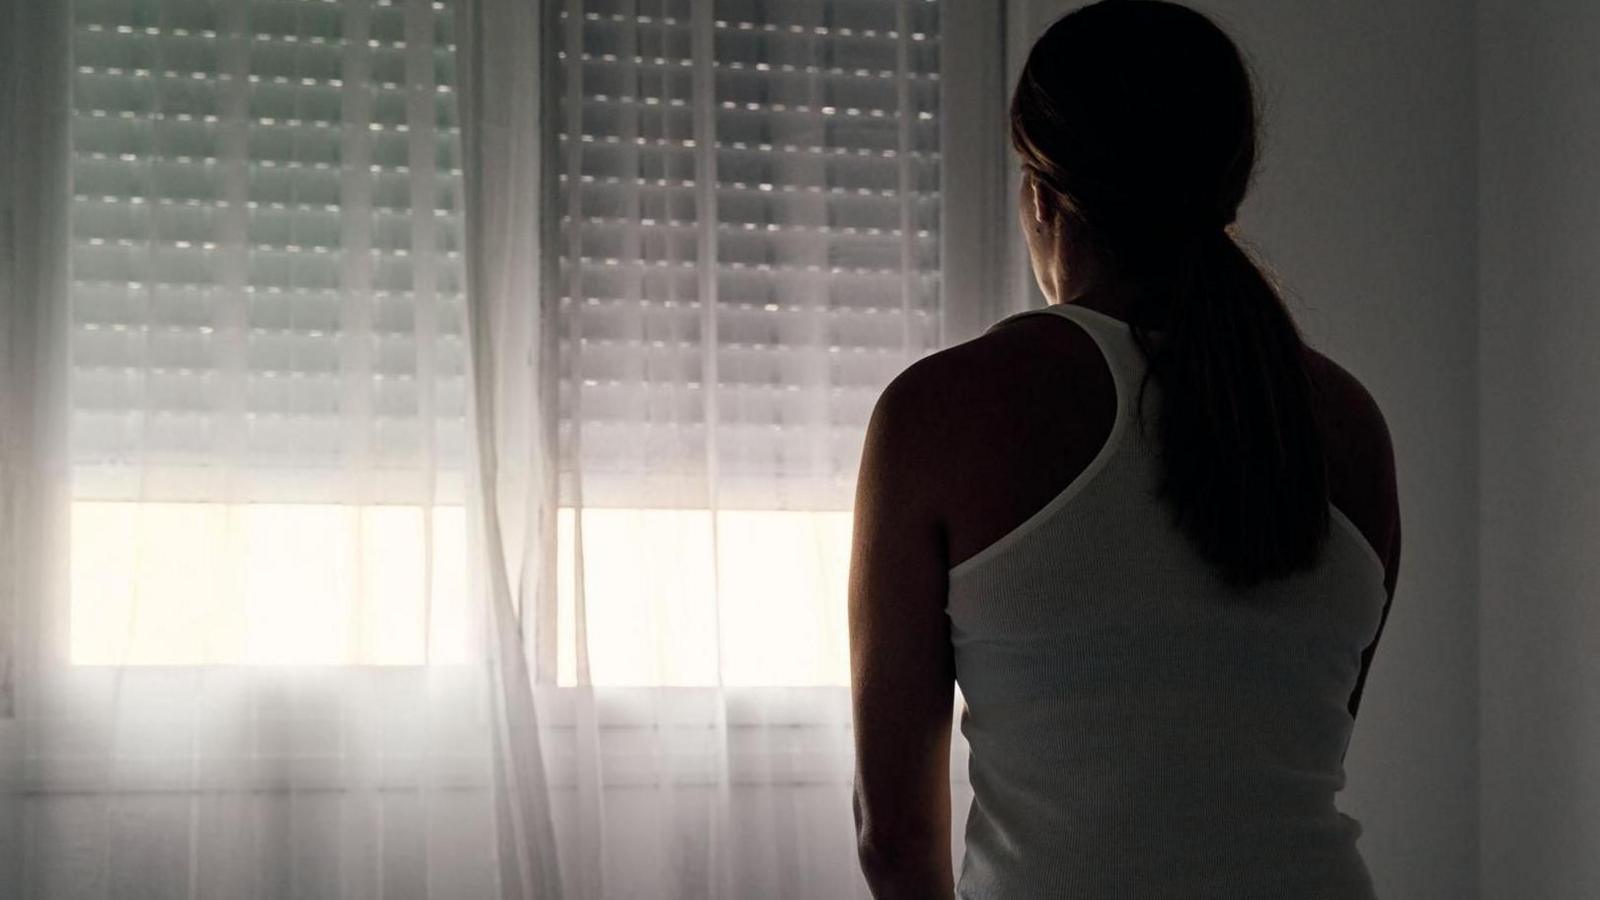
x=902 y=673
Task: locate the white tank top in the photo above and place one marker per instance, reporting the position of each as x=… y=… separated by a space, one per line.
x=1133 y=733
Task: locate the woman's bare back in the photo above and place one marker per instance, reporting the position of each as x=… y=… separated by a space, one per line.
x=1039 y=402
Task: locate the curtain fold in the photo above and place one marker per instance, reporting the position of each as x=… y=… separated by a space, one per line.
x=501 y=57
x=34 y=74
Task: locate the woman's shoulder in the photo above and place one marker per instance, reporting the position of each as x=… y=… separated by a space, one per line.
x=1020 y=347
x=1360 y=453
x=1351 y=414
x=1008 y=418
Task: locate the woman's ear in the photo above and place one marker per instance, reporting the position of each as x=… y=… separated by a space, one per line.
x=1044 y=211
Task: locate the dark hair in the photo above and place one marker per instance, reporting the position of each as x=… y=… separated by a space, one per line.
x=1138 y=116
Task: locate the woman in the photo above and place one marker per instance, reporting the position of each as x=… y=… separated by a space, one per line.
x=1151 y=533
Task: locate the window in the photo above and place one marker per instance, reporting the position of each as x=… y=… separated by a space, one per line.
x=268 y=366
x=750 y=198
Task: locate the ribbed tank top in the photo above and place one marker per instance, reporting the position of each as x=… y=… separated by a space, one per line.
x=1137 y=728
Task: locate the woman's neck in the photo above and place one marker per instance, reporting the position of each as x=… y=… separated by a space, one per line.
x=1116 y=303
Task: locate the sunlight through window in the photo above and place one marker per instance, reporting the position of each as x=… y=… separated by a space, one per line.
x=266 y=584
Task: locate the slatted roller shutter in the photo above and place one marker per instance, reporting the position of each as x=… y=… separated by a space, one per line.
x=267 y=283
x=750 y=204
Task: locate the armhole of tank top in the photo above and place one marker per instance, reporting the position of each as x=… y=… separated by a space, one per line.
x=1082 y=479
x=1355 y=533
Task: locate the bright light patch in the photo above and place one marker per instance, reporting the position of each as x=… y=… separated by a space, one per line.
x=181 y=584
x=656 y=615
x=266 y=584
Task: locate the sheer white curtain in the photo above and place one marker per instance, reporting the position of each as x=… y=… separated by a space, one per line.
x=256 y=648
x=740 y=245
x=33 y=272
x=431 y=433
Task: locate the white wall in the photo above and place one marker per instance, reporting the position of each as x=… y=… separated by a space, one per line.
x=1539 y=242
x=1365 y=206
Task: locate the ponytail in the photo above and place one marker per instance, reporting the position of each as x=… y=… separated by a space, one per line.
x=1244 y=470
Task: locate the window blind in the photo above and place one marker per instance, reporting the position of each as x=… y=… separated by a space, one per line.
x=749 y=195
x=267 y=289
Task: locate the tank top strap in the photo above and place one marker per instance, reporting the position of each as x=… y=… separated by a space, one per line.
x=1113 y=336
